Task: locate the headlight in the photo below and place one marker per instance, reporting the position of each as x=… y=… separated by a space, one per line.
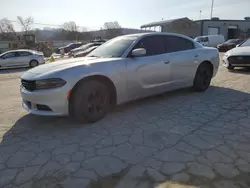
x=50 y=83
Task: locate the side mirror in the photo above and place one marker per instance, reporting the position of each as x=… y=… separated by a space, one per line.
x=139 y=52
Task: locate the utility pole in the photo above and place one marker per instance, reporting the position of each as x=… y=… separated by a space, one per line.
x=200 y=14
x=212 y=7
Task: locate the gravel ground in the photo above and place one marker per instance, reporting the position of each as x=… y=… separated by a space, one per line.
x=179 y=139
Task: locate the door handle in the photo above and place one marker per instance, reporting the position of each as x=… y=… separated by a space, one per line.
x=166 y=62
x=196 y=56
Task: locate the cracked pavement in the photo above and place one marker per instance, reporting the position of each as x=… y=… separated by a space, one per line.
x=179 y=139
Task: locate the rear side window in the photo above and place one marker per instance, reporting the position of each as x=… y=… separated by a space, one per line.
x=154 y=45
x=176 y=44
x=24 y=53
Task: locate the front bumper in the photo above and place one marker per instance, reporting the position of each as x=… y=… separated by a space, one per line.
x=54 y=99
x=225 y=62
x=236 y=62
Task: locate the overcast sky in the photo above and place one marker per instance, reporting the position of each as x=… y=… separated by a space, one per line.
x=129 y=13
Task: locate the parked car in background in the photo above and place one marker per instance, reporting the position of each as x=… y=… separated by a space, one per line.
x=86 y=52
x=67 y=48
x=84 y=47
x=229 y=44
x=125 y=68
x=238 y=57
x=21 y=58
x=210 y=40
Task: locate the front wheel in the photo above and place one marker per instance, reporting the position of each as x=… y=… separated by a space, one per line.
x=90 y=101
x=202 y=78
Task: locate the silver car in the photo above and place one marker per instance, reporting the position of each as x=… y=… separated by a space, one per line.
x=21 y=58
x=123 y=69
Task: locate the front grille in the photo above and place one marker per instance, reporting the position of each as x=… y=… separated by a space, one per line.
x=239 y=60
x=29 y=85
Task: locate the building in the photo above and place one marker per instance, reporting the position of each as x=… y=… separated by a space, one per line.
x=228 y=28
x=183 y=26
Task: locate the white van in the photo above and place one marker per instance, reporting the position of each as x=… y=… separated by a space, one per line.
x=210 y=40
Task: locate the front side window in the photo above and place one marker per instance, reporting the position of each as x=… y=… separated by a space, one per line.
x=175 y=44
x=114 y=47
x=9 y=55
x=154 y=45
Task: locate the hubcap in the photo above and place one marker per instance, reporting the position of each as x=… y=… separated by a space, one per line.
x=33 y=64
x=96 y=102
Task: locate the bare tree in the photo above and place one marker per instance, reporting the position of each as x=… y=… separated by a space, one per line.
x=70 y=26
x=112 y=29
x=7 y=30
x=26 y=23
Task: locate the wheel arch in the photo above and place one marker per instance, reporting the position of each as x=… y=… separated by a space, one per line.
x=209 y=64
x=103 y=79
x=33 y=60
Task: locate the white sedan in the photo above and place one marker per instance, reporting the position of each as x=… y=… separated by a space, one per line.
x=238 y=57
x=125 y=68
x=21 y=58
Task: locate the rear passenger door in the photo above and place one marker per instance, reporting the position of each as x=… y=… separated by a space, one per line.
x=25 y=58
x=183 y=58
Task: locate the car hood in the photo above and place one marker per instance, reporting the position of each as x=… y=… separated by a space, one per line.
x=239 y=51
x=65 y=64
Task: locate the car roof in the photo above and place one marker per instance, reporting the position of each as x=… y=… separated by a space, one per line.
x=139 y=35
x=19 y=50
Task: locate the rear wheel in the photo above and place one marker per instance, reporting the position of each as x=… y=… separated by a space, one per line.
x=33 y=63
x=203 y=77
x=90 y=101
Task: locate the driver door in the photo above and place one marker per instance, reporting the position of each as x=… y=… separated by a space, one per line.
x=149 y=74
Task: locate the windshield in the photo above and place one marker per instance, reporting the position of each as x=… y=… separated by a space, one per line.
x=114 y=47
x=85 y=46
x=231 y=41
x=91 y=48
x=246 y=43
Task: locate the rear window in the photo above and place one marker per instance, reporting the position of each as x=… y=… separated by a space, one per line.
x=175 y=44
x=201 y=39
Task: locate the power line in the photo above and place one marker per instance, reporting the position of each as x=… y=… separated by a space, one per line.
x=35 y=23
x=54 y=25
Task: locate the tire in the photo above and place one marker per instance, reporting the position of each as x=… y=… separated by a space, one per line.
x=90 y=101
x=202 y=78
x=33 y=63
x=230 y=67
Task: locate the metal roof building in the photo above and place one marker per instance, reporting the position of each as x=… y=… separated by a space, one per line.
x=228 y=28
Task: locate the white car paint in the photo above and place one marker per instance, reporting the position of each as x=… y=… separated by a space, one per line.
x=238 y=51
x=210 y=40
